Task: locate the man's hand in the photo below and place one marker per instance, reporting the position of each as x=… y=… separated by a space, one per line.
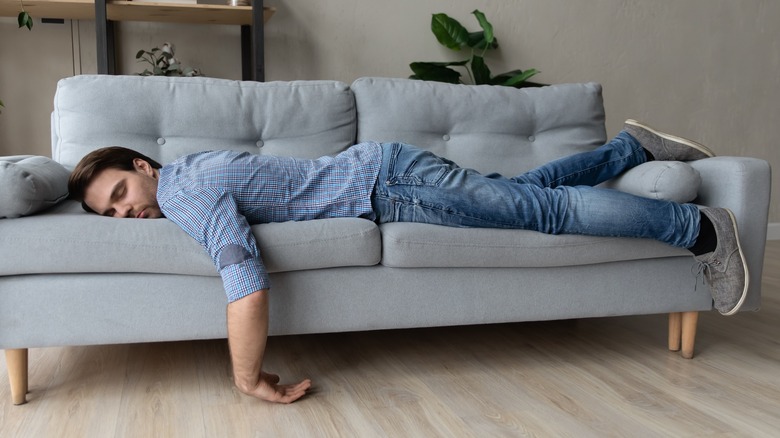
x=268 y=389
x=247 y=321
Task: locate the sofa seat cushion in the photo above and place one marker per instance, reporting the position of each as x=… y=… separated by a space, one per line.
x=67 y=240
x=411 y=245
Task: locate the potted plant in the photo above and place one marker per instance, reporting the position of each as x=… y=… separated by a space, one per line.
x=163 y=62
x=453 y=35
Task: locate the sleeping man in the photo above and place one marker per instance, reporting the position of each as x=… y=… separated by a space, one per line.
x=215 y=197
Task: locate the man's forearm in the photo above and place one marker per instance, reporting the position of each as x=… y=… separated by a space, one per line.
x=247 y=324
x=247 y=321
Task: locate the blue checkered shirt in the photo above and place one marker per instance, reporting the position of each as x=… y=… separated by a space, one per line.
x=215 y=197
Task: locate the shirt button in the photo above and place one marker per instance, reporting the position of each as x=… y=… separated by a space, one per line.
x=161 y=141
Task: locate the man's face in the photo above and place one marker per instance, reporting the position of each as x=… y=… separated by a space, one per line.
x=123 y=193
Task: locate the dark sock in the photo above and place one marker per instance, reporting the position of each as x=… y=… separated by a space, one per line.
x=707 y=240
x=649 y=155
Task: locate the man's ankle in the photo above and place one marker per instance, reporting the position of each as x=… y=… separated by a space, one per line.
x=707 y=241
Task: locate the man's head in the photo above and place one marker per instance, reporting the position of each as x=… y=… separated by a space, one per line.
x=117 y=182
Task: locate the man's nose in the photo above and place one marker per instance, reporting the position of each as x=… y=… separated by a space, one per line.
x=123 y=211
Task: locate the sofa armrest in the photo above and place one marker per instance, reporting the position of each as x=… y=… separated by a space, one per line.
x=742 y=185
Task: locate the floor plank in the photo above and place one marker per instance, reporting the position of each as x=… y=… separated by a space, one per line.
x=593 y=377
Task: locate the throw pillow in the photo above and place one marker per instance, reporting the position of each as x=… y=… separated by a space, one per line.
x=669 y=180
x=29 y=184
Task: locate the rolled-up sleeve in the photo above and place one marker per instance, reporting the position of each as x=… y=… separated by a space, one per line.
x=212 y=218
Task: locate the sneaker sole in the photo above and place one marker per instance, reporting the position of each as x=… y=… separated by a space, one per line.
x=699 y=147
x=744 y=265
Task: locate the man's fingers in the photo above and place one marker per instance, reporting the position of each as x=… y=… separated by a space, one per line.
x=283 y=393
x=290 y=393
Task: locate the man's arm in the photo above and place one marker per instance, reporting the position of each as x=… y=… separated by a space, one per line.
x=212 y=218
x=247 y=323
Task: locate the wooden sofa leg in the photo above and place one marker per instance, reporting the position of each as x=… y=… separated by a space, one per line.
x=16 y=360
x=675 y=331
x=689 y=321
x=682 y=332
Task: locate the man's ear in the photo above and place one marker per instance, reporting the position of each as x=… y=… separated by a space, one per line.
x=143 y=166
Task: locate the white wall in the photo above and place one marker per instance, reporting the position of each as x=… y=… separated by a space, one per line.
x=706 y=69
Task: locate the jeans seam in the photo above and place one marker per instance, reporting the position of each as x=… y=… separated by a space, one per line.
x=490 y=223
x=623 y=158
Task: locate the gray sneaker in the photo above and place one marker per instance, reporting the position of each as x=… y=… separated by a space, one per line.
x=666 y=147
x=725 y=268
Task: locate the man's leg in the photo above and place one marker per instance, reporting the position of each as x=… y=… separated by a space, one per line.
x=636 y=144
x=417 y=186
x=588 y=168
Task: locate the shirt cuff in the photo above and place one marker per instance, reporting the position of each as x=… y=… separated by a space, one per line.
x=242 y=279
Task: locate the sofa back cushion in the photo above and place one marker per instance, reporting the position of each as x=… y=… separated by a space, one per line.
x=166 y=118
x=487 y=128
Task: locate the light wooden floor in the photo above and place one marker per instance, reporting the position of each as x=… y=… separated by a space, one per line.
x=599 y=377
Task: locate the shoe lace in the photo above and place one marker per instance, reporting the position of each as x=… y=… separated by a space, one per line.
x=703 y=270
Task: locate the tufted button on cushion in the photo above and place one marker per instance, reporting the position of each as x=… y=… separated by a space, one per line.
x=161 y=141
x=489 y=127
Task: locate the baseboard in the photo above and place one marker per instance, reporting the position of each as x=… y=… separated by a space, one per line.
x=773 y=231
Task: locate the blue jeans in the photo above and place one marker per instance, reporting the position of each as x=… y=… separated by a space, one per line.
x=415 y=185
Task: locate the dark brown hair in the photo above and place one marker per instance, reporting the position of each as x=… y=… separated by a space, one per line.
x=113 y=157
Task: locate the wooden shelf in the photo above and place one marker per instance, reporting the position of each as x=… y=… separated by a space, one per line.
x=106 y=12
x=67 y=9
x=118 y=10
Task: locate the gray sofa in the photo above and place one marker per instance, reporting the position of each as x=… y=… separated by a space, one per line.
x=72 y=278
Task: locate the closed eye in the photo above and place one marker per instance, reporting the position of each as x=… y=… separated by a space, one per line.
x=117 y=193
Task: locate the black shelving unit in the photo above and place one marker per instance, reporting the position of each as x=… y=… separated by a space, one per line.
x=252 y=44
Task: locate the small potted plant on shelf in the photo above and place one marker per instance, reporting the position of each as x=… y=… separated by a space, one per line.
x=453 y=35
x=163 y=62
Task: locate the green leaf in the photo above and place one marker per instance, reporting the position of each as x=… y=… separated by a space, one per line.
x=25 y=20
x=477 y=41
x=140 y=54
x=449 y=32
x=480 y=70
x=426 y=65
x=485 y=25
x=436 y=71
x=503 y=77
x=1 y=106
x=514 y=78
